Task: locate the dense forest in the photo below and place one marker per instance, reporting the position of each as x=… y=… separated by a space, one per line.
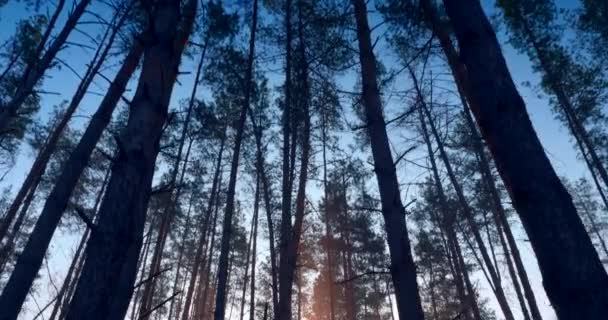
x=303 y=159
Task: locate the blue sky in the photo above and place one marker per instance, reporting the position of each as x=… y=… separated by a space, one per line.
x=552 y=134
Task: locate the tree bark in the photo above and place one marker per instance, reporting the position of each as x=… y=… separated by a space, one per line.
x=30 y=260
x=106 y=284
x=573 y=276
x=403 y=270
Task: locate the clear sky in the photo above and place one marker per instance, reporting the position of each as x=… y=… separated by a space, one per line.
x=552 y=135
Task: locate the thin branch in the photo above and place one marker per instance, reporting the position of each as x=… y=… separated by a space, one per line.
x=146 y=314
x=83 y=216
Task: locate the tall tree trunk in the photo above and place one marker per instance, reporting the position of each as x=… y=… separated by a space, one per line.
x=291 y=234
x=220 y=298
x=260 y=168
x=40 y=163
x=459 y=74
x=31 y=258
x=573 y=276
x=403 y=270
x=283 y=309
x=256 y=209
x=106 y=284
x=35 y=72
x=466 y=209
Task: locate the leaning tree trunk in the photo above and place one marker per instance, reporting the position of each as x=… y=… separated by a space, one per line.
x=35 y=72
x=446 y=223
x=29 y=262
x=459 y=74
x=40 y=163
x=106 y=284
x=466 y=209
x=403 y=270
x=564 y=101
x=573 y=276
x=220 y=298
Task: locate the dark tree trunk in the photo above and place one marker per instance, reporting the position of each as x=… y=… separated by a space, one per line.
x=30 y=260
x=403 y=270
x=573 y=276
x=220 y=298
x=283 y=309
x=291 y=234
x=106 y=284
x=256 y=209
x=35 y=72
x=459 y=74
